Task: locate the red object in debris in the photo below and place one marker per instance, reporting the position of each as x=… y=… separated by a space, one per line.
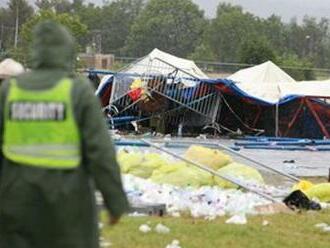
x=135 y=94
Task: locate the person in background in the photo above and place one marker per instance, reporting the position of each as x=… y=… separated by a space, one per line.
x=55 y=151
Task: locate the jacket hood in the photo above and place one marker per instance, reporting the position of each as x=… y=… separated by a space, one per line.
x=52 y=47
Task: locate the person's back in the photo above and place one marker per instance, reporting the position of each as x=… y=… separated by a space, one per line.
x=55 y=147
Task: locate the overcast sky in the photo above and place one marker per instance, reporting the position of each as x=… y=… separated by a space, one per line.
x=287 y=9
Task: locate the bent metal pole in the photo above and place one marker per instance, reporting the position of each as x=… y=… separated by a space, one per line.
x=213 y=172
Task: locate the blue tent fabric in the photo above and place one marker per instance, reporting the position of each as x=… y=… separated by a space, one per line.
x=104 y=87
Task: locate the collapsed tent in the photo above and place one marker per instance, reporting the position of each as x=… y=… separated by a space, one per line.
x=265 y=98
x=157 y=62
x=104 y=89
x=161 y=88
x=165 y=92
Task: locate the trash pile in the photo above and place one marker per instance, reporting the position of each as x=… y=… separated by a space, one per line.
x=157 y=178
x=163 y=169
x=205 y=202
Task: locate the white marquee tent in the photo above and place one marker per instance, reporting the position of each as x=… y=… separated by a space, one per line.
x=159 y=62
x=262 y=81
x=270 y=83
x=307 y=88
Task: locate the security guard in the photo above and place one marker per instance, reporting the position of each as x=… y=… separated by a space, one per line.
x=55 y=149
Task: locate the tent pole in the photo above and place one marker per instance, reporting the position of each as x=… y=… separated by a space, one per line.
x=276 y=119
x=317 y=118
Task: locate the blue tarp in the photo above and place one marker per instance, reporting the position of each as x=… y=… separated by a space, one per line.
x=104 y=87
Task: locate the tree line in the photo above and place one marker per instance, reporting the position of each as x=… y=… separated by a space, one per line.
x=134 y=27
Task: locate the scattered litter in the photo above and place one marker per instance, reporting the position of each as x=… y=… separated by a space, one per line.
x=210 y=218
x=265 y=223
x=273 y=208
x=199 y=202
x=201 y=136
x=324 y=205
x=136 y=214
x=237 y=219
x=105 y=244
x=176 y=214
x=321 y=225
x=324 y=226
x=291 y=161
x=144 y=228
x=175 y=244
x=160 y=228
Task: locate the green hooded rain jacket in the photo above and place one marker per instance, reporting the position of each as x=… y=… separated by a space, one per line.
x=44 y=208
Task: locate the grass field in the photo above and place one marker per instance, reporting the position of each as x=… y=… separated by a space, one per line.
x=284 y=230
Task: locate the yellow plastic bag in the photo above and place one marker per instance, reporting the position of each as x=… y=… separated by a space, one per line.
x=139 y=164
x=127 y=160
x=240 y=172
x=320 y=191
x=212 y=158
x=153 y=160
x=139 y=171
x=179 y=174
x=150 y=162
x=158 y=174
x=303 y=185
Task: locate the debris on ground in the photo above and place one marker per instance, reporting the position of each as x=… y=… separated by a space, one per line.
x=272 y=208
x=175 y=244
x=206 y=201
x=160 y=228
x=321 y=225
x=237 y=219
x=156 y=178
x=199 y=202
x=144 y=228
x=265 y=222
x=104 y=243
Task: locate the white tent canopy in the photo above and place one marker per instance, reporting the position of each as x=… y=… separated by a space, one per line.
x=270 y=83
x=307 y=88
x=159 y=62
x=262 y=81
x=10 y=67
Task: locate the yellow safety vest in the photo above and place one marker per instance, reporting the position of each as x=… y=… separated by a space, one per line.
x=39 y=127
